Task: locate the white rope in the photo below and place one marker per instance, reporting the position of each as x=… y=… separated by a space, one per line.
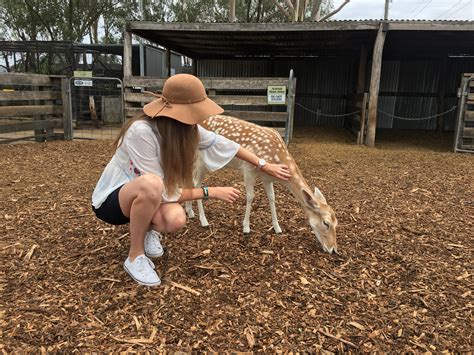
x=326 y=114
x=381 y=111
x=417 y=118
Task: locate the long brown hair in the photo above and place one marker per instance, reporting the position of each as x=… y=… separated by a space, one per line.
x=179 y=144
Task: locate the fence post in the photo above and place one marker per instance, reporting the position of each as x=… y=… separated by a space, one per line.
x=290 y=108
x=67 y=122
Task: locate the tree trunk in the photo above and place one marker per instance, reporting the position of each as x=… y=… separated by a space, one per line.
x=231 y=11
x=316 y=10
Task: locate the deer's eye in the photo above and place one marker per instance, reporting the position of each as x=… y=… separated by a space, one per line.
x=326 y=224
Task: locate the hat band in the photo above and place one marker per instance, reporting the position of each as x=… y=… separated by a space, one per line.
x=160 y=96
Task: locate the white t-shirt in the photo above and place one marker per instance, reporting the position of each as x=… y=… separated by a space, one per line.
x=140 y=154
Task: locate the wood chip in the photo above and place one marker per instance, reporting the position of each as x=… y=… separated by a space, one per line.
x=357 y=325
x=250 y=337
x=183 y=287
x=338 y=338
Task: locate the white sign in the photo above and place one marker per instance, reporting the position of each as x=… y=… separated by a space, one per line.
x=80 y=82
x=276 y=95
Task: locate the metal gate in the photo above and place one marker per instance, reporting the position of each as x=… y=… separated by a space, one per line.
x=464 y=133
x=96 y=107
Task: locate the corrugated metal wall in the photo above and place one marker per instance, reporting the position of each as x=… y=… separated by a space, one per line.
x=408 y=88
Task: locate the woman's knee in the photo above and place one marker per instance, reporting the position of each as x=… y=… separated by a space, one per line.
x=179 y=221
x=150 y=187
x=170 y=218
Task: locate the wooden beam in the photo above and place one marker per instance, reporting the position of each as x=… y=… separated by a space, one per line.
x=141 y=27
x=375 y=86
x=28 y=126
x=12 y=111
x=67 y=119
x=258 y=116
x=29 y=95
x=45 y=136
x=167 y=62
x=432 y=26
x=127 y=53
x=255 y=116
x=219 y=99
x=212 y=83
x=25 y=79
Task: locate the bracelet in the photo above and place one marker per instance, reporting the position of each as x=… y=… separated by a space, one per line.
x=206 y=193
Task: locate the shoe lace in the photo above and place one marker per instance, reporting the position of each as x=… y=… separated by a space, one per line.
x=155 y=238
x=143 y=260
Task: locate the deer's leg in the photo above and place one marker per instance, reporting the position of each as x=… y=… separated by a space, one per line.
x=198 y=178
x=268 y=186
x=249 y=180
x=189 y=209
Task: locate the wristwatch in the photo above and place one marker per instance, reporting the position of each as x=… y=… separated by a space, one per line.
x=261 y=164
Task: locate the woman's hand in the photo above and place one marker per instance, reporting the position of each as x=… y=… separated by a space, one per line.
x=228 y=194
x=279 y=171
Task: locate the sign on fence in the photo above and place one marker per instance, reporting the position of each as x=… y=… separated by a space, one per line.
x=276 y=95
x=80 y=82
x=82 y=74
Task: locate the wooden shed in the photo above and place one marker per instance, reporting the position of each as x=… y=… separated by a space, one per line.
x=368 y=46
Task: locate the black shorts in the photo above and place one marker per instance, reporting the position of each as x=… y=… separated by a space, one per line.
x=110 y=210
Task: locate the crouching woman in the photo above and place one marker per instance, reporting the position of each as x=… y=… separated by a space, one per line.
x=150 y=173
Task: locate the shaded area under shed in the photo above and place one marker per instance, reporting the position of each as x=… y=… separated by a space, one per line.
x=388 y=56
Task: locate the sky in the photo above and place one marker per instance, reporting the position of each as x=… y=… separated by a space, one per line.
x=407 y=9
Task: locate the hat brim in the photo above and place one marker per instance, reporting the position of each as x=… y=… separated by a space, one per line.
x=191 y=113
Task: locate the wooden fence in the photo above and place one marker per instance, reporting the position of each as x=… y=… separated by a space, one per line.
x=244 y=98
x=33 y=104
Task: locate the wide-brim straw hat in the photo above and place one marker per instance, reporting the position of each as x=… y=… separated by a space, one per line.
x=184 y=99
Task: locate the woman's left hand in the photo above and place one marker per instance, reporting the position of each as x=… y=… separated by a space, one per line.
x=279 y=171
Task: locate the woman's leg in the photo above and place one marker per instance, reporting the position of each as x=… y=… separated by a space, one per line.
x=139 y=200
x=169 y=218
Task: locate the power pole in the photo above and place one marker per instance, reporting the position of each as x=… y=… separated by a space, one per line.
x=231 y=10
x=385 y=16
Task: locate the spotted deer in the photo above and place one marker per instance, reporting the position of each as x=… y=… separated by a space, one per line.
x=267 y=143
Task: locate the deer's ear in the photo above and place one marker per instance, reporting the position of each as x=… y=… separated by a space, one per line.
x=309 y=200
x=318 y=194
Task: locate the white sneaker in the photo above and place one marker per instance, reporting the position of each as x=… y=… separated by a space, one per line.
x=141 y=270
x=153 y=248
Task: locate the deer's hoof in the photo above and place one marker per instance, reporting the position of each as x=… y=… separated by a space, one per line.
x=277 y=229
x=191 y=214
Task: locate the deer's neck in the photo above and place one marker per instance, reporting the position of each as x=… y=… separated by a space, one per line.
x=297 y=182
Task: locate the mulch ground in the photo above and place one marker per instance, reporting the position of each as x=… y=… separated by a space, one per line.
x=403 y=279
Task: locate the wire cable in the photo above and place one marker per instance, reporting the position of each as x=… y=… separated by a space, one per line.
x=424 y=7
x=417 y=118
x=461 y=8
x=452 y=7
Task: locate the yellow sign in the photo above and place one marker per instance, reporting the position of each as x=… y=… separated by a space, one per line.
x=276 y=95
x=82 y=74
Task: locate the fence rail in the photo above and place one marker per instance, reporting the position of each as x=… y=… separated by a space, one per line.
x=31 y=107
x=245 y=98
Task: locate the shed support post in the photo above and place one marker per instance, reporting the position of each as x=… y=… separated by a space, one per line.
x=168 y=62
x=194 y=67
x=67 y=121
x=442 y=93
x=362 y=73
x=127 y=53
x=375 y=85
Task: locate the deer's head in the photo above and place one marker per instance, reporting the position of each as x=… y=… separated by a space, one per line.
x=322 y=219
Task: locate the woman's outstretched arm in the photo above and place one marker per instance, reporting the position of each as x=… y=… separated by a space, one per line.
x=279 y=171
x=223 y=193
